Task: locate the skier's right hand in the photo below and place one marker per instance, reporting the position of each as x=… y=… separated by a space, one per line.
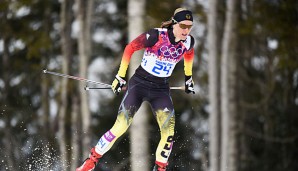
x=117 y=84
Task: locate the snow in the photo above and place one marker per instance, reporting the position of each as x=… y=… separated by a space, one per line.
x=16 y=45
x=272 y=44
x=53 y=108
x=23 y=11
x=295 y=78
x=2 y=83
x=1 y=45
x=75 y=27
x=108 y=6
x=107 y=39
x=40 y=157
x=2 y=123
x=259 y=62
x=16 y=80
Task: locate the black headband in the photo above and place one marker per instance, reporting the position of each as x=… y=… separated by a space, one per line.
x=183 y=15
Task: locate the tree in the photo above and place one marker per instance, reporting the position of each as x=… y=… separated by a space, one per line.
x=9 y=141
x=66 y=46
x=139 y=128
x=214 y=85
x=229 y=153
x=84 y=16
x=267 y=76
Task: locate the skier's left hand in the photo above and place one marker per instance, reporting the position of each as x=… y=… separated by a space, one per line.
x=189 y=85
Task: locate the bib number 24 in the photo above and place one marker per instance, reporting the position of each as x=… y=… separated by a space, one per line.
x=160 y=68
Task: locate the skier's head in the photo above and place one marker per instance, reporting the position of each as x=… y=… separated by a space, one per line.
x=181 y=22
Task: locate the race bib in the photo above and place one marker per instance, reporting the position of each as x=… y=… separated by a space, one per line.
x=156 y=67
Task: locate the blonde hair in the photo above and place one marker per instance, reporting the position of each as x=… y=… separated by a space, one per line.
x=169 y=23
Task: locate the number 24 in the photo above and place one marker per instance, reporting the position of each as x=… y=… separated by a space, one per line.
x=159 y=67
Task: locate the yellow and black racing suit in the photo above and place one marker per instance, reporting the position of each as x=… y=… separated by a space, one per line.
x=151 y=83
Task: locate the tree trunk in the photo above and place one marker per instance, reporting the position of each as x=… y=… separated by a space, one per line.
x=214 y=86
x=44 y=123
x=8 y=139
x=84 y=16
x=244 y=140
x=45 y=117
x=66 y=20
x=228 y=90
x=75 y=155
x=138 y=132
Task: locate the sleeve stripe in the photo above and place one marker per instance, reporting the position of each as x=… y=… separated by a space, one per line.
x=188 y=62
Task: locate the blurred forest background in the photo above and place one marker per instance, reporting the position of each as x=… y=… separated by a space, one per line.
x=243 y=116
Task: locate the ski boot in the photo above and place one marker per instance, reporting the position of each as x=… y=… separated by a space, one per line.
x=90 y=163
x=160 y=166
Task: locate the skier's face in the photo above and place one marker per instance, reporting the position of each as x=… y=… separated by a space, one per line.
x=182 y=29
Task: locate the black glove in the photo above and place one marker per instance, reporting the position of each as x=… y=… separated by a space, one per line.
x=117 y=84
x=189 y=85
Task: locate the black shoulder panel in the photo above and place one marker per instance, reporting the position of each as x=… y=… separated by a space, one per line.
x=151 y=37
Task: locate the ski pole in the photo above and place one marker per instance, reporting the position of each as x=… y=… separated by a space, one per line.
x=177 y=88
x=108 y=86
x=96 y=88
x=124 y=88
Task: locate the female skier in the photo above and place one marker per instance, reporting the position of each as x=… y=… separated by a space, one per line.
x=164 y=48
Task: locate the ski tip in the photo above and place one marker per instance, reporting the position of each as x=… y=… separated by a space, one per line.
x=44 y=71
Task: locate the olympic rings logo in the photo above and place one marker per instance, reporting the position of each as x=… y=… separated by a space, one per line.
x=172 y=51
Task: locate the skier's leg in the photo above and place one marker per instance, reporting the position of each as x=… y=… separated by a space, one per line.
x=165 y=116
x=129 y=106
x=107 y=140
x=122 y=123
